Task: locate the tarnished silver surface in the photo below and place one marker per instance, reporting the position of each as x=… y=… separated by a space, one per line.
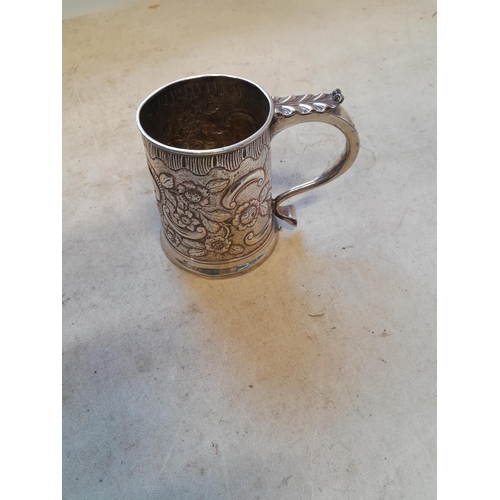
x=207 y=143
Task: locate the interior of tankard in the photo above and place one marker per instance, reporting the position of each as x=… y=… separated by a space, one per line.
x=203 y=113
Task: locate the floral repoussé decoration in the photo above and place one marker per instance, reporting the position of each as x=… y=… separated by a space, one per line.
x=190 y=220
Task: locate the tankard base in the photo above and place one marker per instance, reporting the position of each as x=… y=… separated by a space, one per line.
x=219 y=270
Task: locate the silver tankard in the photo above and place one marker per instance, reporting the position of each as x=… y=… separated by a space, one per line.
x=207 y=140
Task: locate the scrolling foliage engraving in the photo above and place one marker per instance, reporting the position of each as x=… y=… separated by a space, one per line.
x=214 y=220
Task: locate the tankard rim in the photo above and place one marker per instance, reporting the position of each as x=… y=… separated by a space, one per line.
x=215 y=151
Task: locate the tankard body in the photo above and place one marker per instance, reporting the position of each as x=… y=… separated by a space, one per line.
x=207 y=141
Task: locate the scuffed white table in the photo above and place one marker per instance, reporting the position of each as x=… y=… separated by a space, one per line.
x=313 y=376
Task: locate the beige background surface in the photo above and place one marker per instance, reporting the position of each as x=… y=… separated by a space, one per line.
x=177 y=387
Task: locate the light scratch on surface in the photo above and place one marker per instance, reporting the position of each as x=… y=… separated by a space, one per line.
x=219 y=392
x=226 y=476
x=218 y=445
x=127 y=182
x=306 y=146
x=169 y=453
x=314 y=470
x=89 y=123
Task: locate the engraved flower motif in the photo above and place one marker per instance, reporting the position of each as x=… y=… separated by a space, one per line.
x=172 y=236
x=169 y=232
x=217 y=244
x=248 y=213
x=185 y=219
x=167 y=181
x=220 y=245
x=193 y=195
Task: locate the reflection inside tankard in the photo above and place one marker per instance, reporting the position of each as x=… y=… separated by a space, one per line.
x=204 y=114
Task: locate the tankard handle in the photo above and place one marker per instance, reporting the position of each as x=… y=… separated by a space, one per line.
x=292 y=110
